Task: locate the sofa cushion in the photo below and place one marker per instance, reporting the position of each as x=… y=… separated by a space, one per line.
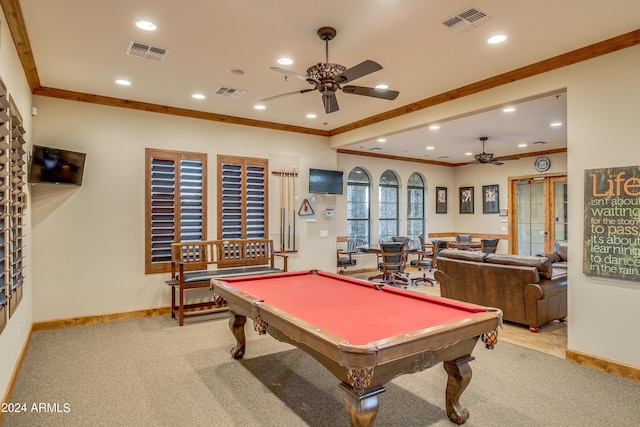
x=560 y=247
x=465 y=255
x=541 y=263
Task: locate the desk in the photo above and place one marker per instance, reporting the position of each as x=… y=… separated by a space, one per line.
x=365 y=334
x=465 y=246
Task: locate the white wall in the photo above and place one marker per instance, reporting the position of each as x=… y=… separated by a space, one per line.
x=12 y=338
x=603 y=129
x=88 y=245
x=604 y=318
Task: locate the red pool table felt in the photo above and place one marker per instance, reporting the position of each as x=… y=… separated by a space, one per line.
x=351 y=308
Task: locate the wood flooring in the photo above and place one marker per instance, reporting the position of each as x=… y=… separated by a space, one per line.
x=551 y=338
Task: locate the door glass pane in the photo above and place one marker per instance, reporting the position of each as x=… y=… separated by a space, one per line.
x=530 y=217
x=560 y=210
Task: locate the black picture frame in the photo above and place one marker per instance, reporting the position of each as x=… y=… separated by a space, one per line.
x=466 y=200
x=490 y=199
x=441 y=200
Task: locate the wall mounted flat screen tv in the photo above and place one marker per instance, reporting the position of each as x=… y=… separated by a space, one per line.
x=325 y=181
x=56 y=166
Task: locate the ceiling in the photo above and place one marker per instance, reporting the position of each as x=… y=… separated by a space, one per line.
x=80 y=46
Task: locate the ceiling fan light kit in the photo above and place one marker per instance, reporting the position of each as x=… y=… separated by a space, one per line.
x=488 y=159
x=327 y=78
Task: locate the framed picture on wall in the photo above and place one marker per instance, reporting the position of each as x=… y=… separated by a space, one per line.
x=441 y=200
x=466 y=200
x=490 y=199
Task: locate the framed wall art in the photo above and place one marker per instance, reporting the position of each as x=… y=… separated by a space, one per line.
x=441 y=200
x=466 y=200
x=490 y=199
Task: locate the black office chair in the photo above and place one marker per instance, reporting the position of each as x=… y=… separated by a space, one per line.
x=438 y=245
x=392 y=265
x=489 y=246
x=423 y=263
x=464 y=238
x=345 y=258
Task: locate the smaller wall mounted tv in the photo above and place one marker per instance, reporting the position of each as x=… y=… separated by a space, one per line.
x=325 y=181
x=56 y=166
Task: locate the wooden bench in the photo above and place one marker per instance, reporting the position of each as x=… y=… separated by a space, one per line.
x=190 y=262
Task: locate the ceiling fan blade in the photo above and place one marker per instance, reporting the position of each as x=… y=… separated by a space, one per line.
x=289 y=73
x=495 y=162
x=330 y=102
x=286 y=94
x=373 y=92
x=357 y=71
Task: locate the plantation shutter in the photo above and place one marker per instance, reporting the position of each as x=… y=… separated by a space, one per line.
x=176 y=204
x=17 y=205
x=242 y=198
x=5 y=177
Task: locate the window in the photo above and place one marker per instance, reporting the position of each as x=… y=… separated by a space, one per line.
x=358 y=187
x=176 y=204
x=388 y=206
x=415 y=206
x=242 y=198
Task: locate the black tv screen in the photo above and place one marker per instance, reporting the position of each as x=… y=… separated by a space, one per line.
x=56 y=166
x=325 y=181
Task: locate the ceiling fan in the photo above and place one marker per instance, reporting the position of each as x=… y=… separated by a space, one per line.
x=327 y=78
x=487 y=158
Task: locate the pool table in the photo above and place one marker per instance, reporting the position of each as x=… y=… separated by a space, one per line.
x=364 y=333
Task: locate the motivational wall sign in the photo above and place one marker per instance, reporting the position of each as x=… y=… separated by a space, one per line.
x=612 y=222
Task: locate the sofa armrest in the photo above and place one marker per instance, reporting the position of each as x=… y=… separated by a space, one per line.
x=546 y=301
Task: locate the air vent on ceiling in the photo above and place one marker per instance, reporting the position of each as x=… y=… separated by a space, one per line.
x=539 y=142
x=467 y=20
x=375 y=149
x=145 y=51
x=230 y=92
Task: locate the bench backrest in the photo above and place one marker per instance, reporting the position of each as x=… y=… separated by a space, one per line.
x=223 y=253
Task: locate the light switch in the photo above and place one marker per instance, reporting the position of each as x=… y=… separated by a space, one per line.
x=324 y=233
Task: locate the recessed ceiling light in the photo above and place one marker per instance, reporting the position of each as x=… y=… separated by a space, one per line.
x=123 y=82
x=311 y=116
x=468 y=154
x=382 y=140
x=434 y=127
x=198 y=96
x=146 y=25
x=509 y=109
x=260 y=107
x=498 y=38
x=285 y=61
x=556 y=124
x=522 y=145
x=382 y=86
x=431 y=148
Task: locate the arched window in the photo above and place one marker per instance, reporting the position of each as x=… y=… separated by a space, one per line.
x=358 y=188
x=415 y=206
x=388 y=206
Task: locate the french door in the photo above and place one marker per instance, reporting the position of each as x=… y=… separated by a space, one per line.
x=537 y=213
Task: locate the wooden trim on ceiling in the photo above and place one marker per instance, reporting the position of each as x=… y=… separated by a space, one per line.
x=437 y=163
x=15 y=21
x=163 y=109
x=607 y=46
x=18 y=30
x=520 y=155
x=387 y=156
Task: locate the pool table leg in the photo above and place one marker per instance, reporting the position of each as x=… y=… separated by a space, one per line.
x=459 y=375
x=362 y=410
x=236 y=324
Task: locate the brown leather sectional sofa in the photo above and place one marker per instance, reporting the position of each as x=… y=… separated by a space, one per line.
x=526 y=288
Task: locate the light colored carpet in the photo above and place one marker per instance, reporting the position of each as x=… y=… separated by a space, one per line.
x=150 y=372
